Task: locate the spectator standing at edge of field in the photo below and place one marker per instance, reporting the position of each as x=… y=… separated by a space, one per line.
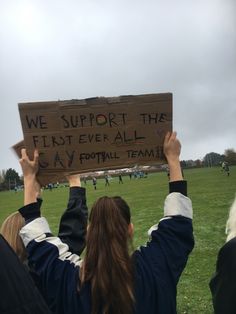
x=223 y=282
x=107 y=180
x=120 y=179
x=223 y=166
x=94 y=183
x=143 y=283
x=226 y=168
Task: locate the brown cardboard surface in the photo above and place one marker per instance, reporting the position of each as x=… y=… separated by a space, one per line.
x=17 y=148
x=96 y=133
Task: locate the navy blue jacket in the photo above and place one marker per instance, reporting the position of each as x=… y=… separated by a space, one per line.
x=158 y=265
x=73 y=222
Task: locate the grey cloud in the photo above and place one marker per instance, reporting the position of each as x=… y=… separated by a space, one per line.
x=84 y=49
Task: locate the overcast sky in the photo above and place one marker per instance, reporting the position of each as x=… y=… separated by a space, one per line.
x=74 y=49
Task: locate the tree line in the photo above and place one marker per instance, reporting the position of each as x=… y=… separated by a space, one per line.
x=10 y=179
x=212 y=159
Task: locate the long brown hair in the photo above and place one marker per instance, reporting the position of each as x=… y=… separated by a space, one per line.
x=10 y=230
x=107 y=263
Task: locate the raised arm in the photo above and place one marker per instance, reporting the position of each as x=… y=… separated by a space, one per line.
x=49 y=258
x=171 y=240
x=73 y=223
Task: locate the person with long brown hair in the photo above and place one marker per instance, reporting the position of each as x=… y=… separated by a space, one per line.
x=109 y=280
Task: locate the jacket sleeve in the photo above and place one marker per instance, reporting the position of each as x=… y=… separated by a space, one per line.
x=171 y=240
x=56 y=268
x=160 y=263
x=222 y=284
x=73 y=223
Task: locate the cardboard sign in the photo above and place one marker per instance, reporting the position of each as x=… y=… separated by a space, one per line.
x=97 y=133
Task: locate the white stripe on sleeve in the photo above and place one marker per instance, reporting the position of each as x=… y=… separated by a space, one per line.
x=37 y=229
x=178 y=204
x=175 y=204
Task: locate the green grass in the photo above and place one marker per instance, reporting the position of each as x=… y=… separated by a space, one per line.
x=212 y=193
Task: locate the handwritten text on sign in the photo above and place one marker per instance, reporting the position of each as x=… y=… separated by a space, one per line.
x=97 y=133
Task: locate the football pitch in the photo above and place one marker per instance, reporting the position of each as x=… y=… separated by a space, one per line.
x=211 y=192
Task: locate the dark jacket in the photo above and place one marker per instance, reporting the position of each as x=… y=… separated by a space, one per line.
x=158 y=265
x=18 y=292
x=73 y=223
x=223 y=283
x=72 y=231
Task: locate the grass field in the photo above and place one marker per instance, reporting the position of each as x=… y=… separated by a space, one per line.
x=212 y=193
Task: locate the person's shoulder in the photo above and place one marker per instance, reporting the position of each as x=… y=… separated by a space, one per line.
x=230 y=244
x=228 y=249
